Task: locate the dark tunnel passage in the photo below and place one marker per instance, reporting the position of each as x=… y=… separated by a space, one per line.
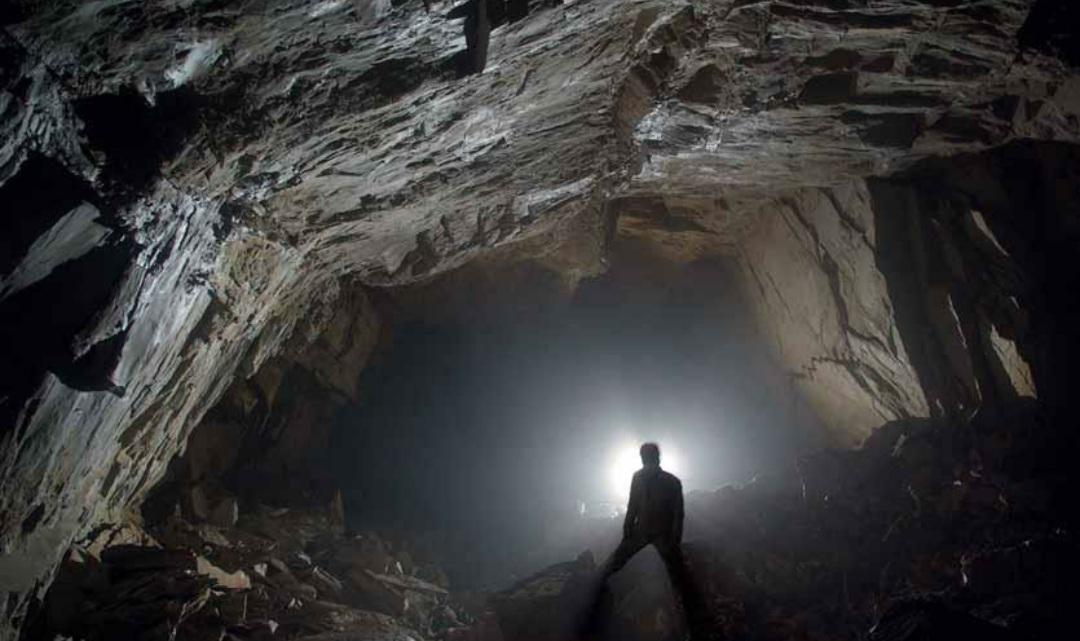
x=496 y=442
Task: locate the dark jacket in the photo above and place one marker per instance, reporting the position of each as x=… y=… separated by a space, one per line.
x=655 y=510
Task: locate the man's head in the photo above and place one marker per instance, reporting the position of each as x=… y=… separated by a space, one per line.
x=650 y=454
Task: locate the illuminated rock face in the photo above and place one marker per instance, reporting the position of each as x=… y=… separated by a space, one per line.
x=812 y=276
x=255 y=164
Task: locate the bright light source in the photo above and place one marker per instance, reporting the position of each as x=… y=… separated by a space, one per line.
x=627 y=460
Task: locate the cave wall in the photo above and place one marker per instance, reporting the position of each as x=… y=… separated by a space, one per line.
x=939 y=292
x=267 y=440
x=810 y=273
x=936 y=292
x=896 y=297
x=993 y=237
x=217 y=283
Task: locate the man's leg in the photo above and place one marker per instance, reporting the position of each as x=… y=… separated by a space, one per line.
x=671 y=554
x=599 y=611
x=626 y=550
x=689 y=597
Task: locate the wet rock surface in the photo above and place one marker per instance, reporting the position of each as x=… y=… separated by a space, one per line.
x=255 y=165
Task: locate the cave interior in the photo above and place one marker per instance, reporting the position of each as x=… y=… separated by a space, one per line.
x=345 y=319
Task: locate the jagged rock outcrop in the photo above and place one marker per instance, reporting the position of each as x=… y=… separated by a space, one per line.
x=992 y=234
x=253 y=161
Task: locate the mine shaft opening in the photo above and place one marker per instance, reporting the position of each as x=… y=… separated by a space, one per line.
x=503 y=435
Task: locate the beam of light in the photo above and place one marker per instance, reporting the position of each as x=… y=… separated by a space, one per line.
x=627 y=460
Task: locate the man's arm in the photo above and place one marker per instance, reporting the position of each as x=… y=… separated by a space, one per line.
x=678 y=512
x=632 y=507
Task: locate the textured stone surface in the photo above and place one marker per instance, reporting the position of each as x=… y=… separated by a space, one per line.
x=812 y=278
x=275 y=574
x=781 y=93
x=254 y=159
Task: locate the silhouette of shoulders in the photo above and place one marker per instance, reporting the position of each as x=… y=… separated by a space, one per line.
x=661 y=475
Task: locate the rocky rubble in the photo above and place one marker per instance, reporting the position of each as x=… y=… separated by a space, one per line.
x=928 y=531
x=835 y=548
x=275 y=573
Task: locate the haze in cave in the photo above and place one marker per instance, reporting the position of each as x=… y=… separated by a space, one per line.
x=346 y=319
x=512 y=424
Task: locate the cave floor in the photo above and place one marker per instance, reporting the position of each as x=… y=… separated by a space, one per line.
x=921 y=533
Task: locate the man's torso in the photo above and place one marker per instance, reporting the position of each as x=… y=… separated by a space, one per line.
x=660 y=493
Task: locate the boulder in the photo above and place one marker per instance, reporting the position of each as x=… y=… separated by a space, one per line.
x=369 y=590
x=237 y=580
x=554 y=604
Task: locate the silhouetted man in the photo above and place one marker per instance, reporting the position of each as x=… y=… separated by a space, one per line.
x=655 y=515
